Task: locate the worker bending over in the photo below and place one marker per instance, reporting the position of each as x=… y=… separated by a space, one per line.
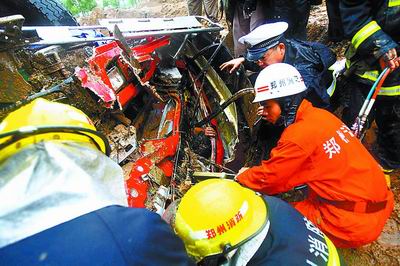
x=348 y=198
x=266 y=45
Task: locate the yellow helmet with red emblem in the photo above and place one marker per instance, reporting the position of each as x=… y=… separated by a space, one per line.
x=217 y=215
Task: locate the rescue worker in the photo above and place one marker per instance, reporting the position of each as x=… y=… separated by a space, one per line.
x=246 y=15
x=195 y=8
x=266 y=46
x=233 y=225
x=348 y=198
x=335 y=27
x=374 y=29
x=66 y=201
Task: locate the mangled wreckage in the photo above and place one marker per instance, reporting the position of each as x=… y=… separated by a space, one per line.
x=160 y=78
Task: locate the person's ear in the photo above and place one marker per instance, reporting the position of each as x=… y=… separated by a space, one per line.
x=281 y=47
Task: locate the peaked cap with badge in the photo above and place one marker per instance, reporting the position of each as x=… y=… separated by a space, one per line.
x=263 y=38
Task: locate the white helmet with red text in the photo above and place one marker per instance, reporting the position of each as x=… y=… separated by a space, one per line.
x=278 y=80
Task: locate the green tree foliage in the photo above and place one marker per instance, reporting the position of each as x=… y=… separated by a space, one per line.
x=111 y=3
x=132 y=2
x=79 y=6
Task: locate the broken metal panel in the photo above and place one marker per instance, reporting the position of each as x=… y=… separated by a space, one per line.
x=126 y=95
x=228 y=119
x=101 y=59
x=155 y=152
x=96 y=85
x=132 y=29
x=49 y=33
x=167 y=122
x=151 y=24
x=118 y=73
x=149 y=47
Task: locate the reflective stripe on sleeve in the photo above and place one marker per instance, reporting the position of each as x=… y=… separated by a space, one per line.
x=364 y=33
x=337 y=68
x=370 y=75
x=390 y=91
x=393 y=3
x=332 y=87
x=385 y=91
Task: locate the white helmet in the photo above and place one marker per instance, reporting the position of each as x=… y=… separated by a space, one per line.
x=278 y=80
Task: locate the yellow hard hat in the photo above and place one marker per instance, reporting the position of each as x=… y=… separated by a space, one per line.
x=218 y=215
x=43 y=120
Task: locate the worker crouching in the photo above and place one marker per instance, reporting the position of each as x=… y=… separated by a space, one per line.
x=223 y=223
x=348 y=198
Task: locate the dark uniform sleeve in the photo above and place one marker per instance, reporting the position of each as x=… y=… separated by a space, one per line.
x=367 y=37
x=113 y=235
x=144 y=238
x=248 y=65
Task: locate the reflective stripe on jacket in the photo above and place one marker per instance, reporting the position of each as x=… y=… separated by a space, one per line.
x=374 y=28
x=320 y=151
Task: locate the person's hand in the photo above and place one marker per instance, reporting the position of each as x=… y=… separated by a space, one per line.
x=262 y=112
x=210 y=132
x=390 y=59
x=232 y=65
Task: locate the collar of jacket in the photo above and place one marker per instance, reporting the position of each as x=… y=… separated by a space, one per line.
x=290 y=53
x=304 y=107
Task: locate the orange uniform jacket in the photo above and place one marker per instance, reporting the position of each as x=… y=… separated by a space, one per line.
x=320 y=151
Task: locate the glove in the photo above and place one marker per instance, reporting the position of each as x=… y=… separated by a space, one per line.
x=390 y=59
x=249 y=6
